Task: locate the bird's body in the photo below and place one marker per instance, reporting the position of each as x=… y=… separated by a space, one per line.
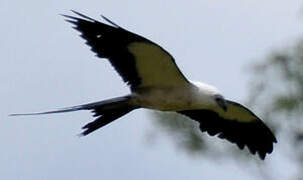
x=173 y=98
x=157 y=83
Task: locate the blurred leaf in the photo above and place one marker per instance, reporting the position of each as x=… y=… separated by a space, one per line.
x=276 y=90
x=181 y=128
x=286 y=103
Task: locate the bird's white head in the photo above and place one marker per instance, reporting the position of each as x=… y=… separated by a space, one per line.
x=209 y=96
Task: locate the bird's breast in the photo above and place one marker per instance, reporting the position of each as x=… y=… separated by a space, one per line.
x=166 y=98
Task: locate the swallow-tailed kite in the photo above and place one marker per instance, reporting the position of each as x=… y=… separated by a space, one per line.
x=157 y=83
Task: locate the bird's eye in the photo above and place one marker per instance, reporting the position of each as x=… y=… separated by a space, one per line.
x=221 y=102
x=218 y=98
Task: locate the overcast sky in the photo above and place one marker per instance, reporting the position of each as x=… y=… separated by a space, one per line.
x=46 y=65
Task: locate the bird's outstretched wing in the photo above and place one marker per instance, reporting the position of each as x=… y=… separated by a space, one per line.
x=238 y=125
x=140 y=62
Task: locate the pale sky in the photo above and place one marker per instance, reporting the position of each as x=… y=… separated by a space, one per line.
x=46 y=65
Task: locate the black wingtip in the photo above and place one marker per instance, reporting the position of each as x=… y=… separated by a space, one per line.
x=69 y=17
x=82 y=15
x=89 y=128
x=84 y=133
x=76 y=18
x=111 y=22
x=275 y=140
x=262 y=156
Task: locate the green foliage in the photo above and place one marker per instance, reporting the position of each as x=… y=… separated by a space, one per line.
x=186 y=135
x=281 y=77
x=276 y=90
x=184 y=131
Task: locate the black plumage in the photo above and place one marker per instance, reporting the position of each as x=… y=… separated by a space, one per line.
x=253 y=134
x=110 y=42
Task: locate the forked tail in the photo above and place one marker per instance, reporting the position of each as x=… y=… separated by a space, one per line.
x=106 y=111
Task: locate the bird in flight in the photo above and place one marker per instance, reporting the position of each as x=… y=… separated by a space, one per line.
x=157 y=83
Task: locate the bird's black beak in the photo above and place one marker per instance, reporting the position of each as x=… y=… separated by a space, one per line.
x=224 y=106
x=221 y=102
